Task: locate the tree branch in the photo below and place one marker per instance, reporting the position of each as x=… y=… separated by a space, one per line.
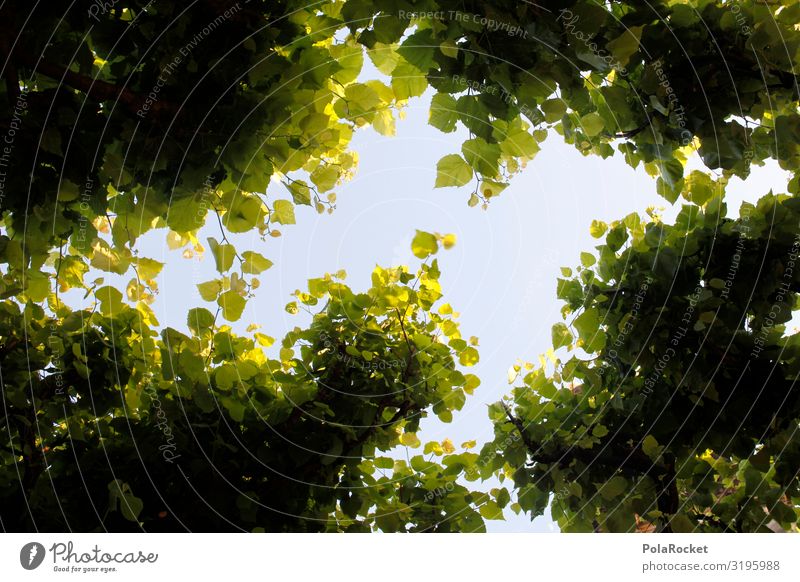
x=95 y=88
x=632 y=132
x=667 y=499
x=11 y=77
x=634 y=460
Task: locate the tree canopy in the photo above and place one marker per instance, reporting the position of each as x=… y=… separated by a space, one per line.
x=679 y=408
x=668 y=402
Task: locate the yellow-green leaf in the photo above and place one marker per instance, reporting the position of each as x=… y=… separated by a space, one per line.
x=561 y=336
x=110 y=300
x=223 y=254
x=598 y=228
x=243 y=213
x=410 y=439
x=232 y=305
x=592 y=124
x=452 y=170
x=283 y=212
x=254 y=263
x=626 y=44
x=424 y=244
x=469 y=357
x=210 y=289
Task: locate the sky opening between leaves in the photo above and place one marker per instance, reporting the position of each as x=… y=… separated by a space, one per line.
x=501 y=275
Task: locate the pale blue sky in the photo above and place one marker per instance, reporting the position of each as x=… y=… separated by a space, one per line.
x=501 y=275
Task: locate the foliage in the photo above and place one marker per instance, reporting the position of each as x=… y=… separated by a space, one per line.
x=239 y=115
x=652 y=81
x=99 y=406
x=159 y=116
x=678 y=407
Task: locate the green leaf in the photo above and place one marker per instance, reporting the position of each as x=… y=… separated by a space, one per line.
x=254 y=263
x=410 y=439
x=350 y=57
x=482 y=156
x=121 y=496
x=625 y=45
x=325 y=177
x=314 y=123
x=490 y=510
x=698 y=188
x=232 y=305
x=598 y=228
x=226 y=377
x=384 y=462
x=408 y=81
x=424 y=244
x=210 y=289
x=475 y=115
x=469 y=357
x=452 y=170
x=300 y=191
x=613 y=488
x=588 y=326
x=223 y=254
x=419 y=49
x=147 y=268
x=199 y=319
x=651 y=447
x=682 y=524
x=443 y=113
x=106 y=258
x=449 y=49
x=384 y=57
x=243 y=214
x=671 y=172
x=360 y=99
x=110 y=300
x=235 y=408
x=592 y=124
x=490 y=188
x=37 y=286
x=283 y=212
x=503 y=498
x=520 y=144
x=554 y=110
x=561 y=336
x=263 y=340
